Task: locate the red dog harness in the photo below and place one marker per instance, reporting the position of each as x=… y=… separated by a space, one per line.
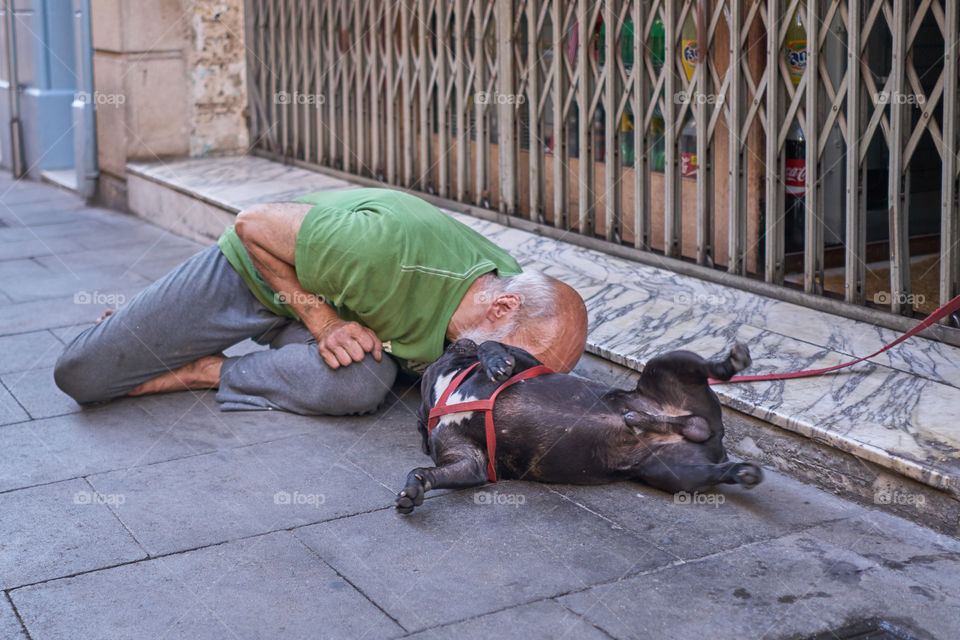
x=442 y=408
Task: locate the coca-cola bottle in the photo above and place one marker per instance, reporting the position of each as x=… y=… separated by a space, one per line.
x=794 y=180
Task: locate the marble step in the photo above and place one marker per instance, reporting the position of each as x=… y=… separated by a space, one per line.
x=885 y=431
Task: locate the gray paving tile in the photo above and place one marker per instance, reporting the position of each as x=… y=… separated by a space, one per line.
x=10 y=627
x=38 y=393
x=156 y=268
x=25 y=351
x=195 y=418
x=724 y=518
x=57 y=530
x=10 y=409
x=30 y=246
x=67 y=334
x=75 y=228
x=544 y=619
x=455 y=558
x=90 y=287
x=387 y=444
x=265 y=587
x=225 y=495
x=114 y=236
x=42 y=212
x=171 y=250
x=116 y=436
x=791 y=587
x=21 y=194
x=22 y=269
x=56 y=312
x=898 y=545
x=80 y=235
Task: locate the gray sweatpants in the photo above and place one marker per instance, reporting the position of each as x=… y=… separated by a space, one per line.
x=201 y=308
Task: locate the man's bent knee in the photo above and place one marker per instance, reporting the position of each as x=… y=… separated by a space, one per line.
x=356 y=389
x=75 y=376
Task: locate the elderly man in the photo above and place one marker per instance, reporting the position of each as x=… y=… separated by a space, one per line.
x=332 y=282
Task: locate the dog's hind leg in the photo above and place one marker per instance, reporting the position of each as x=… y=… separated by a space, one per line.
x=687 y=368
x=464 y=467
x=737 y=360
x=693 y=477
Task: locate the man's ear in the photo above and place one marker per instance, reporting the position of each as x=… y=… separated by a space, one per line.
x=504 y=305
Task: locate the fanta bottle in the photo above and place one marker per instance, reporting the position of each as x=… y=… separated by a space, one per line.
x=688 y=137
x=795 y=45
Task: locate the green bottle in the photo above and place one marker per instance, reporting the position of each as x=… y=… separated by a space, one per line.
x=658 y=152
x=655 y=41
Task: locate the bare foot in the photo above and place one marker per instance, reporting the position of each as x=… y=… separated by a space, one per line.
x=106 y=314
x=200 y=374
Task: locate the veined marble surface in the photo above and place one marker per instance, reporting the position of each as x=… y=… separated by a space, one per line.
x=900 y=410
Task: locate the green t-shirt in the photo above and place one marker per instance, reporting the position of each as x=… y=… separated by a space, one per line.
x=386 y=259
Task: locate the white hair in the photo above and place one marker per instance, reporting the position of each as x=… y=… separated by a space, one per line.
x=538 y=302
x=537 y=294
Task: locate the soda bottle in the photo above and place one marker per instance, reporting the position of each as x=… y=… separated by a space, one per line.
x=794 y=180
x=626 y=121
x=659 y=150
x=688 y=137
x=795 y=167
x=795 y=45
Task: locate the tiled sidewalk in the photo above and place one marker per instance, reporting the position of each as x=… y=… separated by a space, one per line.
x=162 y=517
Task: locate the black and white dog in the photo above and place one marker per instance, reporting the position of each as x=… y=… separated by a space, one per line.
x=668 y=432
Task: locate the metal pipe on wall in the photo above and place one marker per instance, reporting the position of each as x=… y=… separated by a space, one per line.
x=16 y=128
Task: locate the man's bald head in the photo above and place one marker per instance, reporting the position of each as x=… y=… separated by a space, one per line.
x=547 y=317
x=558 y=341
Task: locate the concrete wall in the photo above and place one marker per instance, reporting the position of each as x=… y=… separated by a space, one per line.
x=170 y=82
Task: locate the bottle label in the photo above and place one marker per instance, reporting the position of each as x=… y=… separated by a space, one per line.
x=689 y=57
x=796 y=59
x=688 y=165
x=795 y=176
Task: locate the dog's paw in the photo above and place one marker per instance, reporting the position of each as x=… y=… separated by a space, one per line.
x=740 y=357
x=748 y=475
x=411 y=496
x=499 y=367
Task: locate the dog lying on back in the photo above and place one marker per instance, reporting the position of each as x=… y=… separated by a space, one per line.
x=668 y=432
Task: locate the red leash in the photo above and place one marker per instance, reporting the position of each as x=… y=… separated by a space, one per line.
x=442 y=408
x=946 y=309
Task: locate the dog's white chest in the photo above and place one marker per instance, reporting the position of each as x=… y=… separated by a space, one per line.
x=455 y=398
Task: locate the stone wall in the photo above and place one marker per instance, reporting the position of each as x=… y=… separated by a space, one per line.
x=170 y=79
x=217 y=96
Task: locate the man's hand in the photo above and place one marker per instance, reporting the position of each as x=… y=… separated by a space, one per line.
x=269 y=234
x=342 y=343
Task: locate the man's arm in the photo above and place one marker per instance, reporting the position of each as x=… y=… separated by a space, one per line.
x=269 y=235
